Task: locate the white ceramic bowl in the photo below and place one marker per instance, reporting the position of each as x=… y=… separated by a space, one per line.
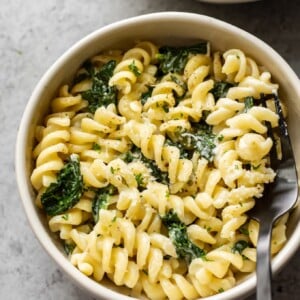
x=163 y=28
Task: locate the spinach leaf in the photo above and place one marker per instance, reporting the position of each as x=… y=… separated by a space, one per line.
x=101 y=94
x=107 y=71
x=66 y=192
x=184 y=153
x=202 y=140
x=133 y=154
x=146 y=95
x=178 y=234
x=101 y=200
x=136 y=154
x=174 y=59
x=69 y=248
x=220 y=89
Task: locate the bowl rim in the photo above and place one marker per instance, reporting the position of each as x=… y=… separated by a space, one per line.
x=227 y=1
x=244 y=288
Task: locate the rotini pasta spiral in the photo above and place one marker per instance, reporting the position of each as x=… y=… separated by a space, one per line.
x=53 y=141
x=166 y=157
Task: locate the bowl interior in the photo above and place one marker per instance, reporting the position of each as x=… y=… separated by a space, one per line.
x=165 y=29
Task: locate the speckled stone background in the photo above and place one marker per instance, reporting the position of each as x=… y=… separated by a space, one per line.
x=33 y=34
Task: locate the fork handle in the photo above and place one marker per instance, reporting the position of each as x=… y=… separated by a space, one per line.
x=263 y=262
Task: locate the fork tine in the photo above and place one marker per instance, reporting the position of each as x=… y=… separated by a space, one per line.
x=286 y=147
x=274 y=161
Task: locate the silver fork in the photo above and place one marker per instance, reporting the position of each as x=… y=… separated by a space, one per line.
x=279 y=197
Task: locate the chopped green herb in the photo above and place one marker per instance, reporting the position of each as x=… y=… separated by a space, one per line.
x=249 y=102
x=208 y=228
x=112 y=170
x=139 y=179
x=66 y=217
x=220 y=89
x=134 y=69
x=101 y=94
x=167 y=194
x=240 y=246
x=220 y=137
x=145 y=272
x=114 y=219
x=244 y=231
x=178 y=234
x=129 y=157
x=255 y=167
x=96 y=147
x=174 y=59
x=66 y=192
x=220 y=290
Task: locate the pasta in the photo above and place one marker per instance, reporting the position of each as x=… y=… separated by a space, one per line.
x=148 y=163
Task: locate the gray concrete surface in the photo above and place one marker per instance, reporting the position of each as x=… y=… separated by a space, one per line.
x=33 y=34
